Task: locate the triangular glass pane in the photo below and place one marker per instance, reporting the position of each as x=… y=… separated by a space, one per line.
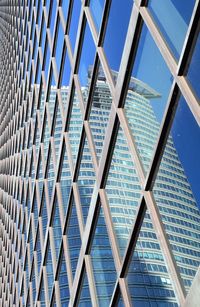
x=37 y=137
x=32 y=171
x=65 y=78
x=148 y=278
x=123 y=190
x=46 y=137
x=59 y=40
x=50 y=175
x=44 y=214
x=28 y=202
x=35 y=210
x=100 y=110
x=33 y=283
x=49 y=269
x=102 y=261
x=57 y=129
x=38 y=251
x=74 y=239
x=56 y=226
x=65 y=179
x=85 y=299
x=42 y=294
x=63 y=282
x=147 y=96
x=52 y=92
x=86 y=179
x=75 y=126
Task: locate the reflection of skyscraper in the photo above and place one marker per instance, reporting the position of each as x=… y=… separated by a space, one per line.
x=148 y=278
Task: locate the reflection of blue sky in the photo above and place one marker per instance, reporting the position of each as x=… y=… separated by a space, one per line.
x=74 y=22
x=150 y=68
x=116 y=31
x=87 y=56
x=194 y=68
x=173 y=17
x=96 y=7
x=186 y=136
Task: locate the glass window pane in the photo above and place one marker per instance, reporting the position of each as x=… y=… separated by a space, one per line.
x=75 y=126
x=85 y=299
x=74 y=22
x=177 y=191
x=96 y=7
x=86 y=61
x=148 y=279
x=172 y=17
x=194 y=68
x=86 y=179
x=73 y=237
x=100 y=111
x=123 y=191
x=103 y=262
x=116 y=32
x=147 y=96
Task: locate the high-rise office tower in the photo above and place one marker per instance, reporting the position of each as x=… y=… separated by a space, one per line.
x=99 y=142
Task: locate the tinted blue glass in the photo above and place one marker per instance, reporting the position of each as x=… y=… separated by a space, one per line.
x=87 y=60
x=74 y=239
x=86 y=179
x=103 y=263
x=46 y=59
x=57 y=230
x=148 y=279
x=85 y=300
x=49 y=270
x=74 y=22
x=63 y=282
x=65 y=181
x=96 y=7
x=176 y=191
x=116 y=31
x=172 y=17
x=147 y=96
x=59 y=45
x=194 y=68
x=53 y=16
x=100 y=111
x=65 y=7
x=123 y=191
x=75 y=126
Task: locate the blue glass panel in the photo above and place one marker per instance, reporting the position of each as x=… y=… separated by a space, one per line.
x=57 y=230
x=123 y=191
x=103 y=263
x=63 y=282
x=65 y=180
x=50 y=175
x=49 y=270
x=85 y=300
x=96 y=7
x=172 y=17
x=53 y=15
x=147 y=96
x=177 y=191
x=148 y=279
x=100 y=111
x=44 y=215
x=116 y=32
x=59 y=45
x=194 y=68
x=74 y=22
x=42 y=294
x=75 y=126
x=86 y=179
x=74 y=239
x=65 y=77
x=65 y=7
x=86 y=61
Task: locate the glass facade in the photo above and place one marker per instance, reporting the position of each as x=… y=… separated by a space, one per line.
x=99 y=153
